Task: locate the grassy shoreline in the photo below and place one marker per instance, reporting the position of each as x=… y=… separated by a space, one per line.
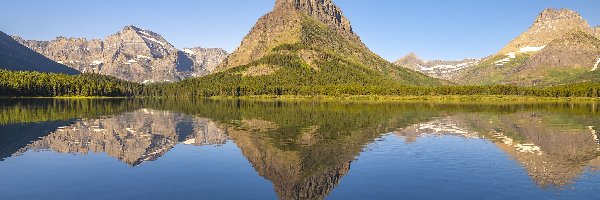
x=444 y=98
x=68 y=97
x=374 y=98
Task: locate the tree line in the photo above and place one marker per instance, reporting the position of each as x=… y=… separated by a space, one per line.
x=36 y=84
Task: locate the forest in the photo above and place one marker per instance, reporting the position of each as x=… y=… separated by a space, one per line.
x=37 y=84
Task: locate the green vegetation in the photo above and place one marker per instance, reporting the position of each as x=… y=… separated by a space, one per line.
x=41 y=110
x=322 y=38
x=490 y=73
x=295 y=78
x=37 y=84
x=291 y=75
x=211 y=87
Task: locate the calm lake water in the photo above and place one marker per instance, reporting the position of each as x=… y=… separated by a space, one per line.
x=208 y=149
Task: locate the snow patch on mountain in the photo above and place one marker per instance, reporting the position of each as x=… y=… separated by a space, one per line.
x=189 y=51
x=596 y=65
x=97 y=62
x=513 y=55
x=143 y=57
x=449 y=68
x=153 y=40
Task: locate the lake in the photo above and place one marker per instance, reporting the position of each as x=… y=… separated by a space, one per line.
x=268 y=149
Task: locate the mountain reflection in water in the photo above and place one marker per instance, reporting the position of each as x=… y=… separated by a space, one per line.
x=305 y=148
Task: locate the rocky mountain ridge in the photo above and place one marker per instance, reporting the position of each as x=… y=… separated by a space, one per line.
x=132 y=54
x=323 y=10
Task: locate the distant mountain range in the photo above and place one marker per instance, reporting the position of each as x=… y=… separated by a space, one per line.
x=132 y=54
x=560 y=47
x=437 y=68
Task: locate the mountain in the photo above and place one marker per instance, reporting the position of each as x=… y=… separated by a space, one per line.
x=132 y=54
x=14 y=56
x=312 y=38
x=441 y=69
x=558 y=48
x=549 y=25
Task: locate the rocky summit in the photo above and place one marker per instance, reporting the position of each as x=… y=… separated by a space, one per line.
x=317 y=35
x=441 y=69
x=132 y=54
x=549 y=25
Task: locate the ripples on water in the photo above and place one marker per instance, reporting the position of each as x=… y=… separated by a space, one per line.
x=157 y=149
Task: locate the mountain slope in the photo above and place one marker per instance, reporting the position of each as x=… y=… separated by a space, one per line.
x=574 y=54
x=556 y=49
x=313 y=40
x=132 y=54
x=14 y=56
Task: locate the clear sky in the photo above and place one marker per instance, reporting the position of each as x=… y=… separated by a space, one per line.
x=434 y=29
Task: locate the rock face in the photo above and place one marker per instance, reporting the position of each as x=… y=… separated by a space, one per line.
x=441 y=69
x=559 y=48
x=15 y=56
x=132 y=54
x=323 y=10
x=550 y=24
x=575 y=50
x=315 y=31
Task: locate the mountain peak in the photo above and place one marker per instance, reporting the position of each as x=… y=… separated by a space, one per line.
x=411 y=55
x=135 y=29
x=132 y=27
x=549 y=25
x=410 y=59
x=324 y=10
x=154 y=40
x=551 y=14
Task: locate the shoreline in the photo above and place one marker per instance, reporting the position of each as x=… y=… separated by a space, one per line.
x=448 y=98
x=67 y=97
x=371 y=98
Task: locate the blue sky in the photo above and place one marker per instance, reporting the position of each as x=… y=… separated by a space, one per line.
x=434 y=29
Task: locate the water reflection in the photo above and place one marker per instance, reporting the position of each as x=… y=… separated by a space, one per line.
x=305 y=148
x=555 y=150
x=133 y=138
